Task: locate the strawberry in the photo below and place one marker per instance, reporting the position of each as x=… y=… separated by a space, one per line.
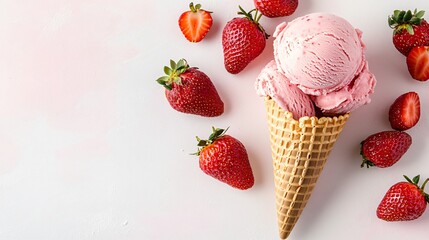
x=189 y=90
x=384 y=149
x=196 y=23
x=410 y=30
x=404 y=201
x=243 y=39
x=405 y=111
x=276 y=8
x=225 y=158
x=418 y=63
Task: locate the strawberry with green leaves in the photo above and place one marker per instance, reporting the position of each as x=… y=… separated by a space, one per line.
x=385 y=148
x=195 y=23
x=404 y=201
x=225 y=159
x=189 y=90
x=243 y=39
x=409 y=30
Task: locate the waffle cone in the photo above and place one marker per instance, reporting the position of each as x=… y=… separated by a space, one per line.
x=299 y=151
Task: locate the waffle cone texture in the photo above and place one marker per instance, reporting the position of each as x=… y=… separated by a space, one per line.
x=300 y=149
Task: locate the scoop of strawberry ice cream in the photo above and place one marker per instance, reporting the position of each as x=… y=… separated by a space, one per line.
x=289 y=97
x=319 y=52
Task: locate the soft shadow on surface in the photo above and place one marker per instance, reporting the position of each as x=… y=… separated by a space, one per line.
x=257 y=168
x=215 y=31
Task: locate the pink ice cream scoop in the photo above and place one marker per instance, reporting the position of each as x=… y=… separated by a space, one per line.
x=350 y=97
x=319 y=52
x=289 y=97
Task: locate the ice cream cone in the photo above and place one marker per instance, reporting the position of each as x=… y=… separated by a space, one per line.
x=299 y=151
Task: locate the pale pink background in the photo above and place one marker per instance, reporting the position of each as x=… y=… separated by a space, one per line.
x=90 y=149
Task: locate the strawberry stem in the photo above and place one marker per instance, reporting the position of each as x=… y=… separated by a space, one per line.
x=202 y=143
x=415 y=181
x=196 y=8
x=409 y=180
x=404 y=20
x=255 y=19
x=423 y=190
x=367 y=163
x=424 y=184
x=173 y=73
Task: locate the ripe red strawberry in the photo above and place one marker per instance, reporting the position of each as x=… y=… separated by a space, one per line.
x=243 y=39
x=404 y=201
x=276 y=8
x=418 y=63
x=196 y=23
x=410 y=30
x=225 y=158
x=384 y=149
x=405 y=111
x=189 y=90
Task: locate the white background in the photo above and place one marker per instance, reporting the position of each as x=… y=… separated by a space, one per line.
x=90 y=148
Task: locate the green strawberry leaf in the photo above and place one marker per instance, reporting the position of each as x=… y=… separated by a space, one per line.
x=202 y=143
x=424 y=185
x=168 y=70
x=177 y=80
x=408 y=15
x=366 y=162
x=396 y=14
x=217 y=132
x=168 y=87
x=164 y=81
x=182 y=63
x=410 y=29
x=419 y=14
x=172 y=64
x=408 y=179
x=415 y=21
x=401 y=16
x=181 y=69
x=416 y=179
x=173 y=73
x=391 y=22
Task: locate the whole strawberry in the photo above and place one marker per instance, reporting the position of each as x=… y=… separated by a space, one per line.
x=410 y=30
x=385 y=148
x=225 y=158
x=189 y=90
x=405 y=111
x=276 y=8
x=404 y=201
x=418 y=63
x=243 y=39
x=195 y=23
